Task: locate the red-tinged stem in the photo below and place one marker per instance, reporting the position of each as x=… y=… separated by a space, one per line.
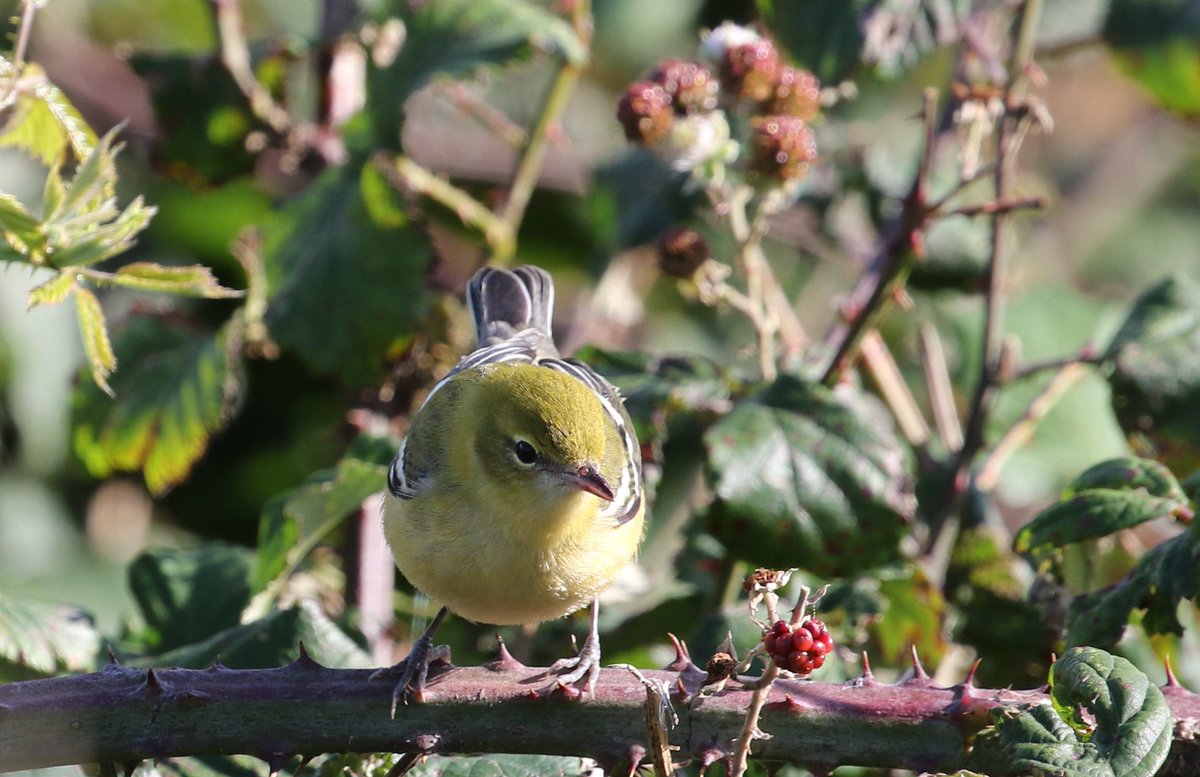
x=125 y=715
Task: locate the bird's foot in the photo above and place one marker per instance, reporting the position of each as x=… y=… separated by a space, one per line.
x=584 y=666
x=410 y=673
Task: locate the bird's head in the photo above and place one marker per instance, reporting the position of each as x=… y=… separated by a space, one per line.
x=543 y=430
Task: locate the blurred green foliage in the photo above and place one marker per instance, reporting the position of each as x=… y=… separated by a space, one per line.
x=258 y=420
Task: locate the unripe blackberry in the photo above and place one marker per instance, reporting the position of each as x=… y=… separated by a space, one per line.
x=781 y=146
x=797 y=93
x=681 y=252
x=751 y=70
x=801 y=649
x=645 y=112
x=691 y=86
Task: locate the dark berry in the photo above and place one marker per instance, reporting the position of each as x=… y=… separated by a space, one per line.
x=750 y=71
x=782 y=146
x=645 y=112
x=692 y=87
x=801 y=649
x=681 y=251
x=797 y=93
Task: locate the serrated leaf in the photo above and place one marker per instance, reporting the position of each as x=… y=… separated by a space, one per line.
x=455 y=38
x=343 y=287
x=95 y=338
x=1110 y=496
x=186 y=596
x=1162 y=577
x=46 y=639
x=178 y=389
x=505 y=765
x=803 y=477
x=1157 y=42
x=47 y=124
x=94 y=177
x=55 y=290
x=272 y=641
x=1155 y=376
x=54 y=193
x=192 y=280
x=296 y=521
x=1131 y=737
x=93 y=242
x=21 y=230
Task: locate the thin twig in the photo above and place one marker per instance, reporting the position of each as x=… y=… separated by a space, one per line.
x=1022 y=431
x=23 y=33
x=530 y=166
x=488 y=116
x=1086 y=356
x=1007 y=144
x=739 y=759
x=941 y=392
x=891 y=264
x=235 y=53
x=406 y=175
x=996 y=207
x=878 y=360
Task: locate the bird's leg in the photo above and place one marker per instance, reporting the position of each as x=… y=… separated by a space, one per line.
x=586 y=664
x=411 y=672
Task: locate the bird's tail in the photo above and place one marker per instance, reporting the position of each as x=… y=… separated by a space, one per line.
x=504 y=302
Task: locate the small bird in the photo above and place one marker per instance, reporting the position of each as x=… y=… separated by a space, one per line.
x=516 y=496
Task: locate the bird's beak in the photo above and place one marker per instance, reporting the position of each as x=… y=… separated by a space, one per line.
x=588 y=478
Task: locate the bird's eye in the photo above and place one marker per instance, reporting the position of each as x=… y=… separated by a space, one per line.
x=525 y=452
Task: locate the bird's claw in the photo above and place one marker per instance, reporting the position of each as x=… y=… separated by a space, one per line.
x=412 y=672
x=584 y=666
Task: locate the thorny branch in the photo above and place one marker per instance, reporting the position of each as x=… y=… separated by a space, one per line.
x=124 y=715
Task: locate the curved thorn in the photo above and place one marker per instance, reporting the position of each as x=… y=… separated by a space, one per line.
x=918 y=670
x=867 y=678
x=504 y=660
x=1171 y=681
x=683 y=658
x=969 y=680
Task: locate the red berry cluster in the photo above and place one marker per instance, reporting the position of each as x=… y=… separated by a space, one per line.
x=801 y=648
x=750 y=73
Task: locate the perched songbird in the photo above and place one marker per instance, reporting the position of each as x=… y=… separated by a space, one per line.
x=516 y=496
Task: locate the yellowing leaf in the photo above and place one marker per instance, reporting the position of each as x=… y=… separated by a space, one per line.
x=178 y=388
x=54 y=290
x=95 y=338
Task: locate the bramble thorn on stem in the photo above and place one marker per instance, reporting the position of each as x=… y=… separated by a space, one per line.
x=867 y=677
x=969 y=680
x=1171 y=681
x=683 y=659
x=504 y=660
x=919 y=673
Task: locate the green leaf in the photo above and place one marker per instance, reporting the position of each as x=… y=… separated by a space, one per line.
x=504 y=765
x=89 y=242
x=1113 y=495
x=1131 y=735
x=95 y=338
x=455 y=38
x=45 y=639
x=1155 y=377
x=94 y=178
x=55 y=290
x=193 y=280
x=830 y=37
x=45 y=124
x=186 y=596
x=21 y=230
x=296 y=521
x=1162 y=578
x=1157 y=42
x=178 y=389
x=808 y=478
x=271 y=641
x=343 y=287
